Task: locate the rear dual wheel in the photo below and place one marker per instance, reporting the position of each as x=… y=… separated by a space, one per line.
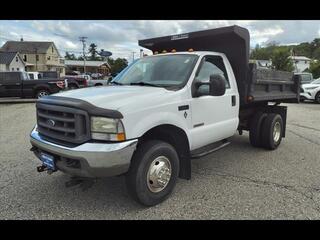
x=266 y=130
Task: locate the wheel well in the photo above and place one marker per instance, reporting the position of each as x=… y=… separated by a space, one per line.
x=98 y=84
x=178 y=139
x=36 y=90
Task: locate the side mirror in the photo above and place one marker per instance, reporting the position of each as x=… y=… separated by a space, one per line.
x=217 y=86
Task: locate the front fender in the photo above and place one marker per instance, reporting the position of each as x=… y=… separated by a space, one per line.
x=136 y=127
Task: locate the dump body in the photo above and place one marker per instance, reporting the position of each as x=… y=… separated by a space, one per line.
x=254 y=85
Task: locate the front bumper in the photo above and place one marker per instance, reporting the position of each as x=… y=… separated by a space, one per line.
x=306 y=95
x=88 y=159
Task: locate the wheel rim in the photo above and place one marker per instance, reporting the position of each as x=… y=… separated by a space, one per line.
x=159 y=174
x=276 y=132
x=42 y=93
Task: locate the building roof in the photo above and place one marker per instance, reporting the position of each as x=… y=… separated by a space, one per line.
x=26 y=46
x=88 y=63
x=7 y=57
x=302 y=58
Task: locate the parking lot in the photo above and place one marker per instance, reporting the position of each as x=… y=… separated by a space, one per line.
x=237 y=182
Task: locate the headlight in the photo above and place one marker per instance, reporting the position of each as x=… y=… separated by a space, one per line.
x=311 y=88
x=107 y=129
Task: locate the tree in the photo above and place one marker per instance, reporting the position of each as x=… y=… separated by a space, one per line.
x=281 y=61
x=69 y=56
x=93 y=52
x=315 y=69
x=117 y=65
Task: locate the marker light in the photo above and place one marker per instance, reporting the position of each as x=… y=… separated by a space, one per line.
x=156 y=52
x=190 y=50
x=164 y=51
x=173 y=50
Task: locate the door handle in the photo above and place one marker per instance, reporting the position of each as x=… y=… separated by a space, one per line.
x=233 y=100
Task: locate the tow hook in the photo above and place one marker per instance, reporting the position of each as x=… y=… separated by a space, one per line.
x=43 y=168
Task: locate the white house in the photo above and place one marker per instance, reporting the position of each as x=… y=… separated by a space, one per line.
x=300 y=63
x=11 y=61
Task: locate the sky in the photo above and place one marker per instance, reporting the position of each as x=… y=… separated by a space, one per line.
x=121 y=36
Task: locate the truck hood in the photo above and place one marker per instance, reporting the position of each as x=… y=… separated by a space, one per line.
x=117 y=97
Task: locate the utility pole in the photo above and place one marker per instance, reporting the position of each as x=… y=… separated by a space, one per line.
x=83 y=40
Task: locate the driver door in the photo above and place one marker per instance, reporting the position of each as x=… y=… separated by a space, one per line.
x=213 y=117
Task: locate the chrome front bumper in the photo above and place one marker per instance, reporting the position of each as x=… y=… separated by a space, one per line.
x=95 y=159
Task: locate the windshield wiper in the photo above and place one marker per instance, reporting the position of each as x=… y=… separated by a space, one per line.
x=146 y=84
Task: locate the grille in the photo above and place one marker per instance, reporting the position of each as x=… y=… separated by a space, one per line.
x=63 y=123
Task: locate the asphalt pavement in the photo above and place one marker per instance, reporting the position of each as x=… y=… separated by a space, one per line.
x=237 y=182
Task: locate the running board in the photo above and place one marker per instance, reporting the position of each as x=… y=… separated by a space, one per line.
x=198 y=153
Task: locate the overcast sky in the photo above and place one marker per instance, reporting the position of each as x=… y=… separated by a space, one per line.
x=121 y=37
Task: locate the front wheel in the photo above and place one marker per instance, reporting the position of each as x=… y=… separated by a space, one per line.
x=153 y=172
x=317 y=98
x=41 y=93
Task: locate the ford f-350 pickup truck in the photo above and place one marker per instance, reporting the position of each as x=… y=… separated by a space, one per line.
x=185 y=101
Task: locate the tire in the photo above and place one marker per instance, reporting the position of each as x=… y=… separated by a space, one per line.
x=42 y=92
x=140 y=186
x=73 y=86
x=317 y=98
x=269 y=139
x=255 y=129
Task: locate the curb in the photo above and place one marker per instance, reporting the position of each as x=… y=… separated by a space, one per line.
x=6 y=101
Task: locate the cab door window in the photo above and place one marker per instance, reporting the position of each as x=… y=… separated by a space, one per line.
x=211 y=65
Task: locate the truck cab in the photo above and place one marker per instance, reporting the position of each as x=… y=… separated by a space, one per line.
x=183 y=102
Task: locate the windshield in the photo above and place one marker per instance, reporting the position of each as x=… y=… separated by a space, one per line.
x=316 y=81
x=159 y=71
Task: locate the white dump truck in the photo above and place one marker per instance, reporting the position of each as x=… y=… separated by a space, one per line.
x=185 y=101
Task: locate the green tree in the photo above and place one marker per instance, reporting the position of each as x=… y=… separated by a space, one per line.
x=117 y=65
x=93 y=52
x=281 y=61
x=69 y=56
x=315 y=69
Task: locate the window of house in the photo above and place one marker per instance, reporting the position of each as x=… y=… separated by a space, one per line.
x=37 y=57
x=18 y=69
x=12 y=69
x=17 y=59
x=25 y=58
x=48 y=57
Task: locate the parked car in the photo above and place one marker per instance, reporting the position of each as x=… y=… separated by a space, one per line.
x=311 y=91
x=75 y=81
x=164 y=110
x=305 y=77
x=18 y=84
x=96 y=75
x=35 y=75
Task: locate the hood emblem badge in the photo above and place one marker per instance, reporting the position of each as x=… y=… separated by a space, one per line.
x=185 y=114
x=51 y=122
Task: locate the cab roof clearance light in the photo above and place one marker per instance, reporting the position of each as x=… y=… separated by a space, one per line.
x=190 y=50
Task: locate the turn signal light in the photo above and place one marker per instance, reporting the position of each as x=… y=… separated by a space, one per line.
x=121 y=137
x=250 y=98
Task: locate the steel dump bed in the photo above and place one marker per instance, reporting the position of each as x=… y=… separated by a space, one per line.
x=254 y=84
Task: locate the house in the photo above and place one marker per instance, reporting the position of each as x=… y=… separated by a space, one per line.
x=300 y=63
x=264 y=64
x=11 y=61
x=102 y=67
x=37 y=56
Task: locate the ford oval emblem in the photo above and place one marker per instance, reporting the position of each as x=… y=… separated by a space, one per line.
x=51 y=122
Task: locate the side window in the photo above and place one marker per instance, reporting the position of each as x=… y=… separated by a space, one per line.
x=31 y=76
x=211 y=65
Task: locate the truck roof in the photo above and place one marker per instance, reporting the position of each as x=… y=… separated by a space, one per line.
x=233 y=41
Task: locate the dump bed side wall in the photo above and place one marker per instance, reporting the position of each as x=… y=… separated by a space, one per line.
x=269 y=85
